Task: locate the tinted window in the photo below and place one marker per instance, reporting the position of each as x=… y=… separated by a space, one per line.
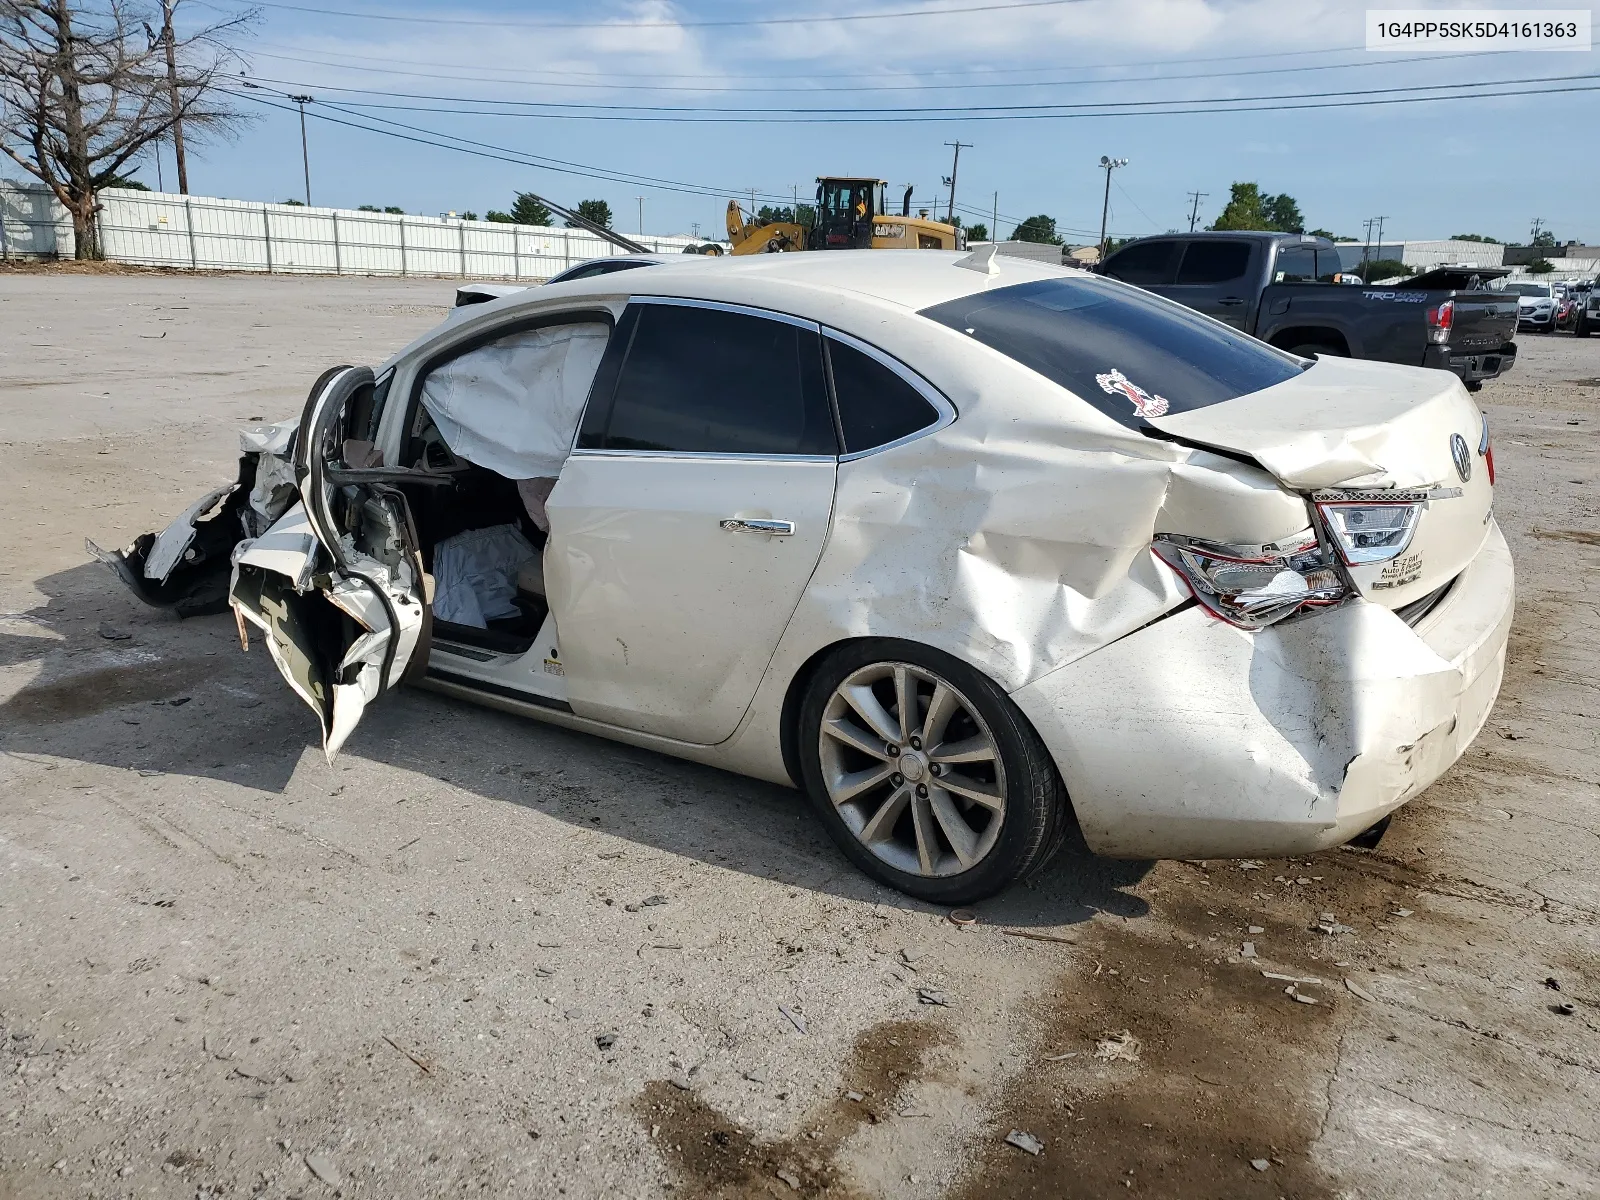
x=1128 y=353
x=590 y=270
x=1214 y=262
x=1329 y=264
x=876 y=406
x=1145 y=263
x=1296 y=264
x=699 y=380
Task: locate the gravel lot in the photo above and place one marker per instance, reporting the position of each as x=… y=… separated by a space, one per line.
x=441 y=966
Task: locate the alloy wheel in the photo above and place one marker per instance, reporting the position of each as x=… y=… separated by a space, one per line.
x=912 y=769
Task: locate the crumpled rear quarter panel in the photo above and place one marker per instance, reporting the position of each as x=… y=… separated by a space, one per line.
x=1195 y=739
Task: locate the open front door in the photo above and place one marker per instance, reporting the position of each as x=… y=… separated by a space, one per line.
x=337 y=584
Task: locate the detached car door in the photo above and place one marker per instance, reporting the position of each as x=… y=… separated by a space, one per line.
x=337 y=584
x=690 y=515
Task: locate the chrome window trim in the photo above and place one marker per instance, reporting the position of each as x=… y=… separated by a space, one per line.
x=715 y=455
x=743 y=310
x=946 y=410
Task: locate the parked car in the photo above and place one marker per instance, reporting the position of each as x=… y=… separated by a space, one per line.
x=1284 y=289
x=1589 y=314
x=1536 y=306
x=966 y=548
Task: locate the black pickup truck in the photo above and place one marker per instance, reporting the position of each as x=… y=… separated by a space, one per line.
x=1290 y=290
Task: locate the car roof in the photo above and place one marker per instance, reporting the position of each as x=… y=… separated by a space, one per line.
x=909 y=279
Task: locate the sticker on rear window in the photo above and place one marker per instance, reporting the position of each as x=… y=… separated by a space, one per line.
x=1114 y=382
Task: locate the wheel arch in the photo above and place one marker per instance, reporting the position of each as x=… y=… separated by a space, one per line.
x=1299 y=335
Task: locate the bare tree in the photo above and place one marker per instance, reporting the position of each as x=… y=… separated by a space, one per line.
x=85 y=89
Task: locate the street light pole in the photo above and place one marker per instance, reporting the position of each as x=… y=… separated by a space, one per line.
x=1110 y=165
x=640 y=199
x=305 y=153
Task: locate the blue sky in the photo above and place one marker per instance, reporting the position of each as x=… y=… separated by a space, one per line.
x=1462 y=165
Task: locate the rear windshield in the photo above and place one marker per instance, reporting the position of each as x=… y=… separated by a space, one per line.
x=1128 y=353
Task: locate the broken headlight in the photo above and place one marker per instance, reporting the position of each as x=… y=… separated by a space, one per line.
x=1254 y=586
x=1369 y=532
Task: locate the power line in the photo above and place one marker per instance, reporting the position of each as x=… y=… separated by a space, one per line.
x=499 y=153
x=975 y=111
x=1194 y=212
x=525 y=77
x=688 y=114
x=624 y=26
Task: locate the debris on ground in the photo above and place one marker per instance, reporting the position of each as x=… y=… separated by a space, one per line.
x=854 y=1097
x=605 y=1041
x=1355 y=989
x=1248 y=950
x=1039 y=937
x=790 y=1178
x=1565 y=1010
x=930 y=996
x=963 y=916
x=1025 y=1142
x=1311 y=979
x=1293 y=992
x=112 y=634
x=1551 y=982
x=1119 y=1047
x=1256 y=929
x=1260 y=1164
x=320 y=1165
x=1401 y=912
x=795 y=1019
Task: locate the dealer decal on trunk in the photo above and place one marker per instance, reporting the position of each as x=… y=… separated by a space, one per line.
x=1114 y=382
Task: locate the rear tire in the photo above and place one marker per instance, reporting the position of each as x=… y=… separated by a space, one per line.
x=1581 y=329
x=950 y=820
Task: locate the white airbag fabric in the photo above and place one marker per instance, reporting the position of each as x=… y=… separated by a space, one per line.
x=475 y=575
x=513 y=406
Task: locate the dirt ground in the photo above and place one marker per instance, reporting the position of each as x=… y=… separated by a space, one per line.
x=227 y=969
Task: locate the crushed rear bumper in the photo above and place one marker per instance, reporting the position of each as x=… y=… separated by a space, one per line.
x=1193 y=739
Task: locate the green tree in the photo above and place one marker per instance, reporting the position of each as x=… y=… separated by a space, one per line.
x=1474 y=237
x=1544 y=238
x=469 y=215
x=978 y=232
x=122 y=181
x=1541 y=266
x=528 y=209
x=1385 y=268
x=294 y=203
x=391 y=210
x=768 y=215
x=1039 y=228
x=1249 y=207
x=1326 y=233
x=497 y=217
x=805 y=214
x=597 y=211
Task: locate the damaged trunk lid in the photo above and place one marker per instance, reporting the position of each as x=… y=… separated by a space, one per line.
x=1373 y=444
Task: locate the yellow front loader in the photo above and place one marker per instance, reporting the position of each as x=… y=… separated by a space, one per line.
x=851 y=214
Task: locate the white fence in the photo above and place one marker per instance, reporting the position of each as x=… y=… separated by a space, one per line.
x=204 y=233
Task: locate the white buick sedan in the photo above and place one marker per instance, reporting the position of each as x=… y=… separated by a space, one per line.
x=964 y=548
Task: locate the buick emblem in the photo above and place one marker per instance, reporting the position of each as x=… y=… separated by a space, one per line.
x=1459 y=452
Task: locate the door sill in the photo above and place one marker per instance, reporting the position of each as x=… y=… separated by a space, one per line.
x=497 y=689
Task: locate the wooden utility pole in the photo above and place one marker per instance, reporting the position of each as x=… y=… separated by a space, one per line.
x=1194 y=211
x=950 y=209
x=177 y=101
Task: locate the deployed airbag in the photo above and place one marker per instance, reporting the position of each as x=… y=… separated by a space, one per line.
x=513 y=406
x=475 y=575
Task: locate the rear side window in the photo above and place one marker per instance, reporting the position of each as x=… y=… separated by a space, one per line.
x=1296 y=264
x=876 y=406
x=705 y=381
x=1146 y=264
x=1214 y=262
x=1128 y=353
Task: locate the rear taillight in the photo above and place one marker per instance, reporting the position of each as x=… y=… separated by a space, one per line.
x=1440 y=320
x=1370 y=532
x=1486 y=449
x=1254 y=586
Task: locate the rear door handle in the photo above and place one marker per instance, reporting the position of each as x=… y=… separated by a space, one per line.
x=758 y=525
x=1230 y=300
